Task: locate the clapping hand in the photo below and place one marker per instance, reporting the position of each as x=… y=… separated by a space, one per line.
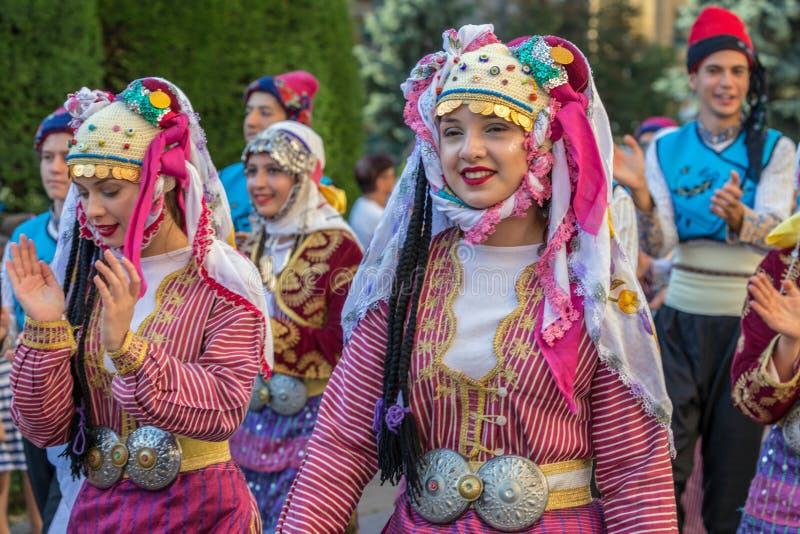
x=629 y=170
x=35 y=286
x=781 y=312
x=119 y=285
x=727 y=204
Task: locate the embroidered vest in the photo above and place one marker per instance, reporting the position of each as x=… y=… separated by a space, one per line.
x=693 y=172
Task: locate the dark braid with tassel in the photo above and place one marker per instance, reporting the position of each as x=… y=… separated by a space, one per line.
x=399 y=447
x=755 y=124
x=79 y=286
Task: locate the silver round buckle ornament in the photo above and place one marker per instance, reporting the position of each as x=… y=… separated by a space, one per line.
x=440 y=472
x=287 y=394
x=515 y=493
x=260 y=396
x=106 y=457
x=154 y=458
x=791 y=428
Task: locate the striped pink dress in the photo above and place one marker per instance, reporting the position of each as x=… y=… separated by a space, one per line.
x=456 y=412
x=198 y=357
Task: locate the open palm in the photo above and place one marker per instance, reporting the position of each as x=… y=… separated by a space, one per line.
x=781 y=312
x=35 y=286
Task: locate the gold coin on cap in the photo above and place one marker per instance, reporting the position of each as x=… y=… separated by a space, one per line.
x=102 y=171
x=159 y=99
x=77 y=170
x=561 y=55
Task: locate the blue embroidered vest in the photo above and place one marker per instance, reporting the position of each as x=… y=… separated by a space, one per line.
x=693 y=172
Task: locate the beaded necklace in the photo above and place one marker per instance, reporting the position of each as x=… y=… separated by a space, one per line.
x=722 y=136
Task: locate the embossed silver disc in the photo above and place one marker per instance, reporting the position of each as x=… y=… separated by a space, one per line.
x=514 y=493
x=791 y=428
x=260 y=396
x=154 y=457
x=101 y=472
x=287 y=394
x=440 y=500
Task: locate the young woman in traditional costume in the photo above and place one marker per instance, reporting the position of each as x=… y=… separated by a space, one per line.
x=766 y=383
x=307 y=256
x=145 y=360
x=497 y=339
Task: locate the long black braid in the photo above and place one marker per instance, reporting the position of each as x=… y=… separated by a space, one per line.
x=79 y=286
x=755 y=124
x=399 y=449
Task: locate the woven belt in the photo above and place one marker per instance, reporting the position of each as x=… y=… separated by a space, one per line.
x=709 y=272
x=150 y=457
x=509 y=493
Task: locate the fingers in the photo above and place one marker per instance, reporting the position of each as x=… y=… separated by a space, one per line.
x=790 y=288
x=47 y=274
x=102 y=288
x=631 y=143
x=115 y=266
x=734 y=179
x=24 y=256
x=11 y=270
x=110 y=279
x=135 y=285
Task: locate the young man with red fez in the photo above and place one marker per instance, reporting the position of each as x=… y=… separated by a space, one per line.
x=269 y=99
x=715 y=188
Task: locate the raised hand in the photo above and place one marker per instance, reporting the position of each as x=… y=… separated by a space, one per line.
x=727 y=204
x=119 y=290
x=629 y=170
x=35 y=286
x=781 y=312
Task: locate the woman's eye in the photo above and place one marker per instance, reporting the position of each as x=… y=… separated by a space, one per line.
x=274 y=170
x=450 y=132
x=250 y=171
x=496 y=128
x=110 y=193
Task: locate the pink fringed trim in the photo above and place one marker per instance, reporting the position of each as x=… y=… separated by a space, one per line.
x=558 y=299
x=202 y=242
x=523 y=198
x=539 y=165
x=486 y=38
x=484 y=227
x=411 y=114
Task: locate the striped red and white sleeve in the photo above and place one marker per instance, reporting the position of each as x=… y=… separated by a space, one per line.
x=41 y=382
x=634 y=474
x=205 y=398
x=341 y=457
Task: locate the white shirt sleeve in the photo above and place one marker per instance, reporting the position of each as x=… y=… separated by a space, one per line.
x=659 y=190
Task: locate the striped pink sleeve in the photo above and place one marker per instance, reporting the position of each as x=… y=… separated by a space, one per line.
x=341 y=457
x=634 y=474
x=205 y=397
x=41 y=383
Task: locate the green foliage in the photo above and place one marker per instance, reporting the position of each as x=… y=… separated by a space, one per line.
x=565 y=18
x=43 y=59
x=625 y=67
x=396 y=35
x=772 y=25
x=217 y=47
x=210 y=48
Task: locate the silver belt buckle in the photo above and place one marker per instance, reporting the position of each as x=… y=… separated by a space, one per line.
x=260 y=396
x=791 y=428
x=440 y=500
x=287 y=394
x=106 y=458
x=154 y=457
x=515 y=493
x=509 y=493
x=151 y=457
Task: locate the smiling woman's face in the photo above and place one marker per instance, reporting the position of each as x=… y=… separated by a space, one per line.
x=108 y=204
x=268 y=184
x=483 y=156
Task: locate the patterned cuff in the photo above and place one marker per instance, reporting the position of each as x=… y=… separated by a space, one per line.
x=651 y=236
x=130 y=355
x=767 y=379
x=48 y=335
x=755 y=227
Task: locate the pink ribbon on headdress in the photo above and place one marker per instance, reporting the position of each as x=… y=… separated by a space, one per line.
x=591 y=191
x=156 y=162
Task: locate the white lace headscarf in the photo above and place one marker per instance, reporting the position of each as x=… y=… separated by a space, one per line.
x=584 y=272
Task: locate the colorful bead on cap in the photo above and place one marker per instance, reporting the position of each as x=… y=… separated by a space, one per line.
x=492 y=80
x=111 y=144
